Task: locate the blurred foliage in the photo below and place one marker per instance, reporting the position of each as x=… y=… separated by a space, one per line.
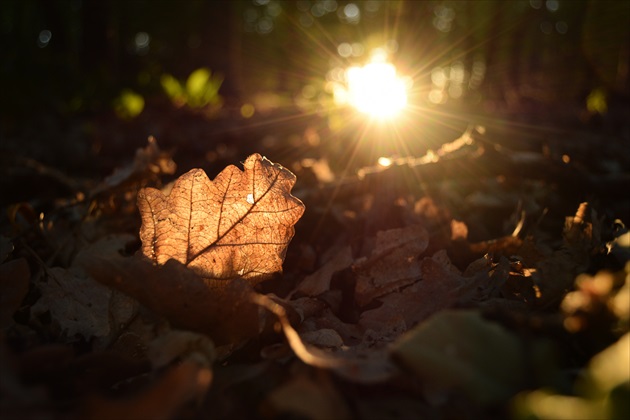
x=596 y=102
x=602 y=391
x=201 y=89
x=128 y=104
x=459 y=350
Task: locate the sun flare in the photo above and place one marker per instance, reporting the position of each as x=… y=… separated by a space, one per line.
x=376 y=90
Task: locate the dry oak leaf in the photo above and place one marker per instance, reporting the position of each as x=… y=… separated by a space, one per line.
x=238 y=225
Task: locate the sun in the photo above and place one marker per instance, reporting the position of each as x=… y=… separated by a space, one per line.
x=376 y=90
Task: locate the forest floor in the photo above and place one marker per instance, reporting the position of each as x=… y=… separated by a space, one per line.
x=481 y=272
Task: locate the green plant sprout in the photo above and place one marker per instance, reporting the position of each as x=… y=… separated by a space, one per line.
x=596 y=102
x=200 y=89
x=129 y=104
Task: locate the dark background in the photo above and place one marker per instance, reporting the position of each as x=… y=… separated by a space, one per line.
x=528 y=67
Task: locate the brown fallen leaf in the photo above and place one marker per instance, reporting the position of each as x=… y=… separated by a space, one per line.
x=80 y=305
x=148 y=163
x=323 y=319
x=393 y=263
x=440 y=287
x=319 y=282
x=77 y=303
x=181 y=296
x=238 y=225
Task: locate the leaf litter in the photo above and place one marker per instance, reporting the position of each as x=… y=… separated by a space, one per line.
x=403 y=303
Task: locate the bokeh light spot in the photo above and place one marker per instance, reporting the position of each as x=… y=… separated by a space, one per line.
x=274 y=9
x=384 y=161
x=44 y=38
x=562 y=27
x=303 y=5
x=330 y=5
x=250 y=15
x=372 y=6
x=247 y=110
x=309 y=91
x=351 y=11
x=437 y=96
x=306 y=20
x=391 y=46
x=264 y=25
x=357 y=49
x=318 y=10
x=344 y=49
x=552 y=5
x=142 y=42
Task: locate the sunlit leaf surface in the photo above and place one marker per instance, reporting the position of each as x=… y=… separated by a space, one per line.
x=238 y=225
